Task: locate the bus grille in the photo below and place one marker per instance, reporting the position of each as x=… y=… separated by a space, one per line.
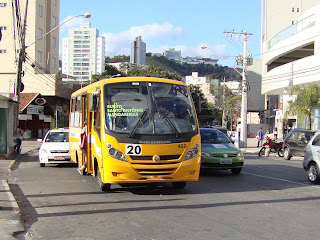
x=149 y=158
x=153 y=172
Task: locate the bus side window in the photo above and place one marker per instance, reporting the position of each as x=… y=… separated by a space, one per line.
x=78 y=113
x=73 y=108
x=97 y=114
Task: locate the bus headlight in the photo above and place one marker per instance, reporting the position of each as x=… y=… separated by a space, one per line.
x=192 y=153
x=115 y=153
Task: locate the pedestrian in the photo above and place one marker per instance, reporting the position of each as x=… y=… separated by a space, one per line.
x=19 y=140
x=83 y=147
x=260 y=134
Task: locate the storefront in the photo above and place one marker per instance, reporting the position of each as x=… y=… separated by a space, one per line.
x=36 y=117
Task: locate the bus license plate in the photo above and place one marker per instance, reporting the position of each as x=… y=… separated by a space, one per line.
x=225 y=161
x=59 y=158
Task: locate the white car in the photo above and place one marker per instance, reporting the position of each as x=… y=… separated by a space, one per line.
x=311 y=161
x=55 y=147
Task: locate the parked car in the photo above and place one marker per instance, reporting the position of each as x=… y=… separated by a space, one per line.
x=295 y=142
x=224 y=130
x=218 y=152
x=55 y=147
x=311 y=160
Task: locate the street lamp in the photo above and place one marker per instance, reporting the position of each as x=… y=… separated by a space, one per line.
x=86 y=15
x=22 y=57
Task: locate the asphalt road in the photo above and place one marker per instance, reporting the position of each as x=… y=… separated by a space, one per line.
x=270 y=199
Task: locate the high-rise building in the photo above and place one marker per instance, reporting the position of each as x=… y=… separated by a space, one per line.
x=83 y=52
x=138 y=52
x=39 y=73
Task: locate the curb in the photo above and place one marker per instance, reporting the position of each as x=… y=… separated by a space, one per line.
x=13 y=225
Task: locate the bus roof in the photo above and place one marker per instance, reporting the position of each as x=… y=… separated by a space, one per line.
x=126 y=79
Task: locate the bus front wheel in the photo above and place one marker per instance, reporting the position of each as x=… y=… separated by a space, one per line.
x=103 y=186
x=179 y=185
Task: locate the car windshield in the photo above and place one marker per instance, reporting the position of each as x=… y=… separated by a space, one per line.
x=213 y=137
x=57 y=137
x=149 y=108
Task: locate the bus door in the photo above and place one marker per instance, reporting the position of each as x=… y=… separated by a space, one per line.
x=84 y=103
x=94 y=119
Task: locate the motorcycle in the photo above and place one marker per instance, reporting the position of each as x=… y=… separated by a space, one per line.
x=271 y=147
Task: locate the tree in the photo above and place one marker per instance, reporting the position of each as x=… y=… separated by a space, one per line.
x=307 y=101
x=207 y=112
x=109 y=72
x=228 y=102
x=152 y=71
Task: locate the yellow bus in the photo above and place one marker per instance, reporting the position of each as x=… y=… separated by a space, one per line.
x=139 y=130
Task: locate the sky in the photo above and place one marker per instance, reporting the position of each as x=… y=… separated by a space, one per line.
x=185 y=25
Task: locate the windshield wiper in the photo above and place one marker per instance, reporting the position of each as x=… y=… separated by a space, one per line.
x=144 y=114
x=168 y=122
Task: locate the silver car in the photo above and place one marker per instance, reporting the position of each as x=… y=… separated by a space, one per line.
x=311 y=161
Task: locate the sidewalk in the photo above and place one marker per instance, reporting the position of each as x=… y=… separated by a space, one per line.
x=10 y=221
x=251 y=146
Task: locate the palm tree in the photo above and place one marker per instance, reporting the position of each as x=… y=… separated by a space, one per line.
x=307 y=101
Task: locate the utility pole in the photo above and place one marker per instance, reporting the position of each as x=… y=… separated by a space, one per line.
x=244 y=90
x=21 y=59
x=224 y=122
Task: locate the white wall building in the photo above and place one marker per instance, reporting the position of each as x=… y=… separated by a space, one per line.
x=203 y=83
x=138 y=52
x=199 y=60
x=172 y=54
x=290 y=46
x=83 y=53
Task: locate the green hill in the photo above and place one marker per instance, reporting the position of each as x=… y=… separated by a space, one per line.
x=214 y=72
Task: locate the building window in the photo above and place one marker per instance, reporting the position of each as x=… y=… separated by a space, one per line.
x=3 y=51
x=54 y=42
x=54 y=21
x=3 y=4
x=39 y=33
x=54 y=2
x=297 y=9
x=292 y=22
x=40 y=10
x=292 y=9
x=39 y=56
x=3 y=28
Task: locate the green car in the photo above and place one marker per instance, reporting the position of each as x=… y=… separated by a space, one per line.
x=218 y=152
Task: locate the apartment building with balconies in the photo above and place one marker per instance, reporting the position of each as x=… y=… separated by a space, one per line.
x=83 y=53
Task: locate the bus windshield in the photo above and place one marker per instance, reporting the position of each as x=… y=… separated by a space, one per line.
x=148 y=108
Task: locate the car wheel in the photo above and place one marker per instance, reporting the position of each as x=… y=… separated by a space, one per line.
x=313 y=173
x=103 y=186
x=179 y=185
x=280 y=153
x=262 y=151
x=286 y=154
x=42 y=164
x=236 y=171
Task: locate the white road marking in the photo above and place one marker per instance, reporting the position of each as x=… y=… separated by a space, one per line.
x=280 y=179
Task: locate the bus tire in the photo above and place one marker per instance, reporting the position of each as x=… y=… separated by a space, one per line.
x=103 y=186
x=179 y=185
x=42 y=164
